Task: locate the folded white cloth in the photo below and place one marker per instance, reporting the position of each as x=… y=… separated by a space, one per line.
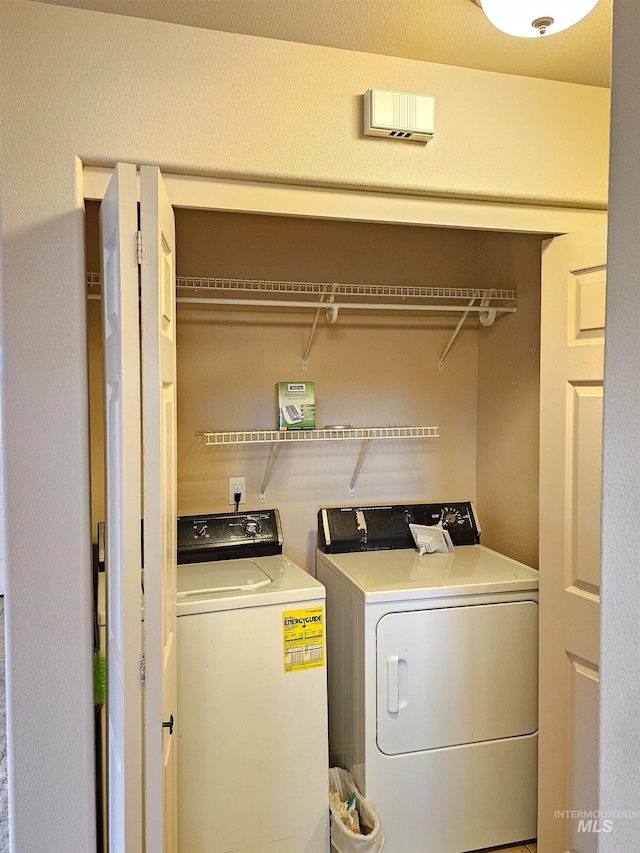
x=430 y=539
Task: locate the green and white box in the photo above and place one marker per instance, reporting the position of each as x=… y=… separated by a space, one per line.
x=296 y=405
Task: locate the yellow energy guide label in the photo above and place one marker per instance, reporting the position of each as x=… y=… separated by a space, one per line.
x=303 y=636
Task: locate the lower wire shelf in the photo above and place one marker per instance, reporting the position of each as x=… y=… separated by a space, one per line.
x=276 y=438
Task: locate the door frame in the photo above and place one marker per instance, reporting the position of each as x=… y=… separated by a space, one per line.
x=264 y=198
x=298 y=200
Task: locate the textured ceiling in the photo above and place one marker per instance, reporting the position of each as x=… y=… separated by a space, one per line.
x=452 y=32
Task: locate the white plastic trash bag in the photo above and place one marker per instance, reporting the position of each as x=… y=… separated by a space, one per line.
x=355 y=826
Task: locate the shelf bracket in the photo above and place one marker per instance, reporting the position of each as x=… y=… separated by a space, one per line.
x=332 y=310
x=332 y=316
x=307 y=349
x=454 y=336
x=267 y=473
x=363 y=454
x=487 y=318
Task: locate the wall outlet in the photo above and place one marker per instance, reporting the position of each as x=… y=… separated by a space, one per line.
x=237 y=485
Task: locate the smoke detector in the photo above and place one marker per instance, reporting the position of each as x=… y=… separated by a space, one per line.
x=399 y=115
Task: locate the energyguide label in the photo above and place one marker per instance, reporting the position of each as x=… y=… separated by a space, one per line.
x=303 y=638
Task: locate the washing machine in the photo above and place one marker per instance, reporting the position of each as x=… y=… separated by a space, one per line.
x=433 y=674
x=252 y=695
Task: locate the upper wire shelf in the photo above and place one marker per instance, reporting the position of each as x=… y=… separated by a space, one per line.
x=317 y=288
x=486 y=303
x=311 y=288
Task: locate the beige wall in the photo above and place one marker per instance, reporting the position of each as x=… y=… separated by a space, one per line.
x=509 y=400
x=198 y=100
x=78 y=84
x=367 y=369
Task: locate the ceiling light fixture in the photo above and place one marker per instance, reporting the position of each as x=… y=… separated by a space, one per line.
x=534 y=18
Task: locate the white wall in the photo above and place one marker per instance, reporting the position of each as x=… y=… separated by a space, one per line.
x=78 y=84
x=620 y=631
x=2 y=510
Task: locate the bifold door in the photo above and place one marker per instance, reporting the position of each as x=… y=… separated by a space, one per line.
x=140 y=450
x=121 y=344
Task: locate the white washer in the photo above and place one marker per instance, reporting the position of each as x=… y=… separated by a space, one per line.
x=433 y=673
x=252 y=700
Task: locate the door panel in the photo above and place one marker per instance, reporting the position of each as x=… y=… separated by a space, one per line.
x=571 y=383
x=119 y=226
x=456 y=675
x=585 y=445
x=582 y=760
x=587 y=303
x=159 y=443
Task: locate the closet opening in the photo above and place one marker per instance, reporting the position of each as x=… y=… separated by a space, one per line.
x=369 y=368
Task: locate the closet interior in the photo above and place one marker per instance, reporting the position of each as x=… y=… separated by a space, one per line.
x=474 y=413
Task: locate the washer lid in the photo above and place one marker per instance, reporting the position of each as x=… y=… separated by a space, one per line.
x=222 y=576
x=236 y=584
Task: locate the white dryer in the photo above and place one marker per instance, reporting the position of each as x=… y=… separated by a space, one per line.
x=252 y=694
x=433 y=674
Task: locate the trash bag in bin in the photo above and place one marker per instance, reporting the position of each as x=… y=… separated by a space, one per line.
x=355 y=826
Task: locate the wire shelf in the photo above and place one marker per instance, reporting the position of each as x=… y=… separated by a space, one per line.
x=318 y=288
x=311 y=288
x=213 y=438
x=486 y=302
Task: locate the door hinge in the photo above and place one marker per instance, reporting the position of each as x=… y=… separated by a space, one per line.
x=142 y=670
x=139 y=247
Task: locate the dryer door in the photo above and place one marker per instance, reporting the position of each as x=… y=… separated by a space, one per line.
x=456 y=675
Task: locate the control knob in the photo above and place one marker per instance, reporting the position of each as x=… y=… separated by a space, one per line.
x=251 y=527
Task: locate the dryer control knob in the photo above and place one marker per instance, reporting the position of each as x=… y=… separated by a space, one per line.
x=251 y=527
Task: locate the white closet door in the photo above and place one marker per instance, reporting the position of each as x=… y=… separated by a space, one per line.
x=571 y=386
x=159 y=473
x=119 y=226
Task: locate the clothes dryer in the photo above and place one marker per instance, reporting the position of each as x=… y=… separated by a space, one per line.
x=432 y=666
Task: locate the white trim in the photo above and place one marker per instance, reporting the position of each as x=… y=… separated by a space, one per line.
x=357 y=205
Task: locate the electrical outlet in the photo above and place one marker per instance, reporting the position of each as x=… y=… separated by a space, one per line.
x=237 y=485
